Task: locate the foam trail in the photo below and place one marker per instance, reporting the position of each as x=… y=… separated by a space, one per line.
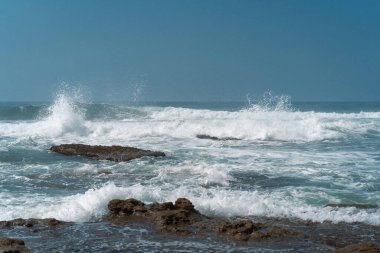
x=92 y=204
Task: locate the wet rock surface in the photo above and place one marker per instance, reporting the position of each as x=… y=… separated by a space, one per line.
x=133 y=226
x=10 y=245
x=168 y=217
x=182 y=218
x=240 y=229
x=366 y=247
x=105 y=172
x=110 y=153
x=214 y=138
x=31 y=223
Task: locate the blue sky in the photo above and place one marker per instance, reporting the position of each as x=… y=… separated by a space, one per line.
x=191 y=50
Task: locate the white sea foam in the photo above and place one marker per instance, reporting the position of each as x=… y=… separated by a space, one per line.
x=92 y=204
x=268 y=121
x=201 y=173
x=206 y=174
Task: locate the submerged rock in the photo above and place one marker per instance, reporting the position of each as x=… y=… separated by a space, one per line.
x=366 y=247
x=111 y=153
x=9 y=245
x=358 y=206
x=31 y=223
x=273 y=233
x=214 y=138
x=105 y=172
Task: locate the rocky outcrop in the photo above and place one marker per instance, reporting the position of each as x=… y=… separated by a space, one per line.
x=182 y=218
x=240 y=229
x=214 y=138
x=181 y=221
x=366 y=247
x=168 y=217
x=244 y=230
x=111 y=153
x=9 y=245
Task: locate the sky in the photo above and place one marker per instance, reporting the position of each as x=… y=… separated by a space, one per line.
x=190 y=50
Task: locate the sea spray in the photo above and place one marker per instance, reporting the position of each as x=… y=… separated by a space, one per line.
x=269 y=102
x=66 y=115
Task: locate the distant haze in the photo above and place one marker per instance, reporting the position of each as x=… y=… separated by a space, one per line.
x=190 y=50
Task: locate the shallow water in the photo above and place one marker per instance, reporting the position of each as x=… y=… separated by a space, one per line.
x=290 y=160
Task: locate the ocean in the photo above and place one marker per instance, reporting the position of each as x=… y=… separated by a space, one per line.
x=274 y=159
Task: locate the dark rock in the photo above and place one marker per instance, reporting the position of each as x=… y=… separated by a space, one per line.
x=111 y=153
x=106 y=172
x=359 y=206
x=241 y=229
x=185 y=204
x=162 y=206
x=273 y=233
x=126 y=207
x=30 y=223
x=166 y=216
x=179 y=218
x=366 y=247
x=173 y=221
x=182 y=218
x=214 y=138
x=9 y=245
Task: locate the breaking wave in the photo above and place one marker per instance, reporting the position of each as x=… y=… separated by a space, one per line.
x=272 y=118
x=92 y=204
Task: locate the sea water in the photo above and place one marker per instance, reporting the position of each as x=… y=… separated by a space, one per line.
x=286 y=160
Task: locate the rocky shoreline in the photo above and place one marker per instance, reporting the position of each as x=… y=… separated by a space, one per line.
x=129 y=222
x=182 y=220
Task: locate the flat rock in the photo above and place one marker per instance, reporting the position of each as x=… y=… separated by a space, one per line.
x=110 y=153
x=105 y=172
x=273 y=233
x=31 y=223
x=10 y=245
x=214 y=138
x=366 y=247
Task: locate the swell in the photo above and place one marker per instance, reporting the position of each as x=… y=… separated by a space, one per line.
x=21 y=112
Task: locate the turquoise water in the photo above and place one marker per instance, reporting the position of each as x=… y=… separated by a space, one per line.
x=290 y=159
